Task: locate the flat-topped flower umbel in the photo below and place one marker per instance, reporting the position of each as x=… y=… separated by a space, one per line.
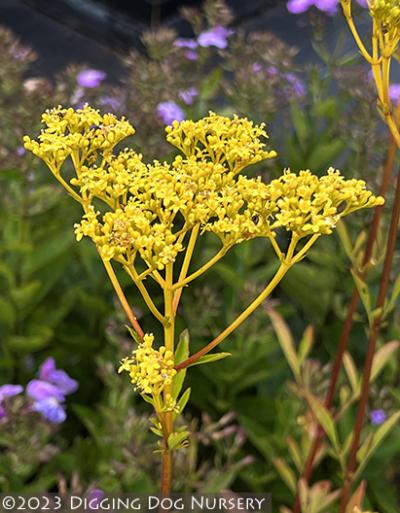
x=144 y=215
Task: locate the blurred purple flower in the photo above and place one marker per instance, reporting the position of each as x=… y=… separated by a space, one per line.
x=299 y=6
x=297 y=86
x=20 y=151
x=51 y=409
x=94 y=498
x=217 y=36
x=394 y=93
x=169 y=112
x=183 y=42
x=328 y=6
x=191 y=55
x=188 y=95
x=39 y=390
x=90 y=78
x=57 y=377
x=257 y=67
x=377 y=417
x=272 y=71
x=10 y=391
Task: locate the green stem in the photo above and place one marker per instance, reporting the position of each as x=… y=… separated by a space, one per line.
x=169 y=338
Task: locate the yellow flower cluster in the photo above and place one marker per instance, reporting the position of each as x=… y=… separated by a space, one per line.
x=150 y=207
x=242 y=211
x=82 y=133
x=306 y=204
x=110 y=181
x=387 y=15
x=150 y=369
x=235 y=143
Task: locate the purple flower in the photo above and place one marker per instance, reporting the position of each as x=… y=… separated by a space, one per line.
x=191 y=55
x=39 y=390
x=183 y=42
x=169 y=112
x=299 y=6
x=327 y=6
x=377 y=417
x=217 y=36
x=257 y=67
x=9 y=391
x=51 y=409
x=94 y=498
x=394 y=93
x=57 y=377
x=90 y=77
x=188 y=95
x=20 y=151
x=296 y=85
x=272 y=71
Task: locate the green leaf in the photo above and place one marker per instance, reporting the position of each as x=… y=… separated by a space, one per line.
x=183 y=401
x=177 y=440
x=208 y=358
x=324 y=153
x=344 y=237
x=7 y=313
x=351 y=372
x=182 y=348
x=325 y=420
x=286 y=341
x=306 y=344
x=210 y=84
x=382 y=356
x=181 y=354
x=363 y=292
x=371 y=445
x=286 y=473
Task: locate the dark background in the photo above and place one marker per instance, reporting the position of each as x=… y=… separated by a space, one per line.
x=91 y=32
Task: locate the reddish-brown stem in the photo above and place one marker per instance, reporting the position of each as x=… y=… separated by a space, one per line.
x=166 y=472
x=373 y=336
x=348 y=323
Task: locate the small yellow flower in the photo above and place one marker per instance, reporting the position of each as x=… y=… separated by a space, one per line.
x=235 y=143
x=150 y=369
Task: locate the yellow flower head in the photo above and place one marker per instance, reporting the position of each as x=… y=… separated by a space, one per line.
x=82 y=132
x=235 y=143
x=150 y=369
x=242 y=211
x=307 y=204
x=387 y=14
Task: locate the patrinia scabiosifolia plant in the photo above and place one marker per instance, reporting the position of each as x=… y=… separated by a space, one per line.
x=143 y=216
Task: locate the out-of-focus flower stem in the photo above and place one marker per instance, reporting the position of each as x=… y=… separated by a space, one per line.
x=348 y=323
x=373 y=336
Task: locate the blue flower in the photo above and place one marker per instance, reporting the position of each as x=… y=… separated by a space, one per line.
x=377 y=417
x=57 y=377
x=217 y=36
x=51 y=409
x=170 y=112
x=8 y=391
x=188 y=95
x=90 y=78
